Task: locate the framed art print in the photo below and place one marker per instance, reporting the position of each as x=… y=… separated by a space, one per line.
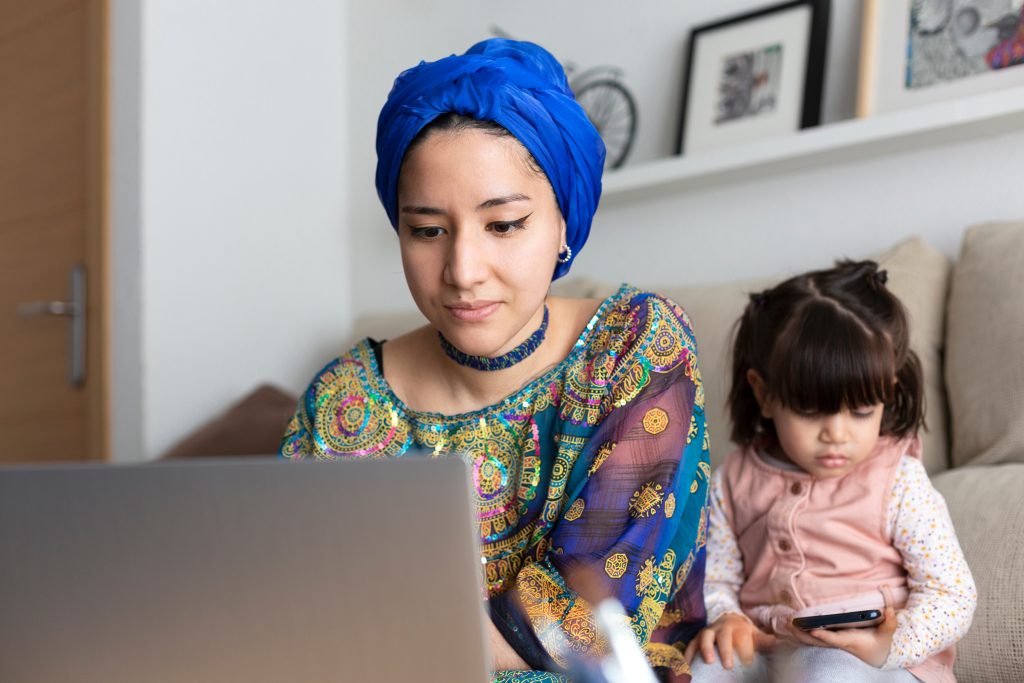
x=754 y=76
x=921 y=51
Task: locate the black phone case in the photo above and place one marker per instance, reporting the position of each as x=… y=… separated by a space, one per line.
x=826 y=620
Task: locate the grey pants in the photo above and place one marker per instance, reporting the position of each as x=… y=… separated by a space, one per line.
x=804 y=664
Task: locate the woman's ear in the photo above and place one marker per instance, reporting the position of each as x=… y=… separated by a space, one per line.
x=760 y=389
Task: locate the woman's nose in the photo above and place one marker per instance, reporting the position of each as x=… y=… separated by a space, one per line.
x=466 y=264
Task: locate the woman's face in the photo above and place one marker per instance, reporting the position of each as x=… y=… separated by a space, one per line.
x=480 y=233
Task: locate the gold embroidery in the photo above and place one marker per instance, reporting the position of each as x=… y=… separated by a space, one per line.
x=693 y=429
x=560 y=619
x=671 y=616
x=645 y=577
x=705 y=468
x=670 y=505
x=660 y=654
x=684 y=570
x=646 y=618
x=575 y=510
x=636 y=377
x=655 y=584
x=655 y=421
x=703 y=474
x=645 y=500
x=615 y=566
x=602 y=454
x=702 y=528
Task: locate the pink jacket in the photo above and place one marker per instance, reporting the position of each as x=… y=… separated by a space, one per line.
x=807 y=542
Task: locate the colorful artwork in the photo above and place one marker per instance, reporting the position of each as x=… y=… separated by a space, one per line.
x=954 y=39
x=749 y=84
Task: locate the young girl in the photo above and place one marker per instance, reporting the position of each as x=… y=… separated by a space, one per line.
x=826 y=507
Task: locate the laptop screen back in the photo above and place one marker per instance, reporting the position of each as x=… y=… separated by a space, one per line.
x=240 y=570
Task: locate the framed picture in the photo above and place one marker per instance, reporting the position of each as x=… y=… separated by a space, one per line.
x=920 y=51
x=754 y=76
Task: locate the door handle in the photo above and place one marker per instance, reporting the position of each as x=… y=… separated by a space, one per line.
x=74 y=309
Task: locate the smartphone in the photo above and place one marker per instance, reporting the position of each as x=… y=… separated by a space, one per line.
x=857 y=619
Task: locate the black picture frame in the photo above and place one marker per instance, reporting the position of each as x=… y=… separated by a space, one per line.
x=813 y=71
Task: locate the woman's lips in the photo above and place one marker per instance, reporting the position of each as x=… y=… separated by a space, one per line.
x=473 y=312
x=832 y=460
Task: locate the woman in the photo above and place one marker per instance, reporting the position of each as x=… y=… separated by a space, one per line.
x=582 y=420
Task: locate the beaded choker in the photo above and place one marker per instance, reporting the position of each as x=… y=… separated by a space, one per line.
x=503 y=361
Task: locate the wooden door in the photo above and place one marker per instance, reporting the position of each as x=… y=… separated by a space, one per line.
x=52 y=218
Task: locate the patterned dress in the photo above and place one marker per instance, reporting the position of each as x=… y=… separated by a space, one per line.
x=596 y=473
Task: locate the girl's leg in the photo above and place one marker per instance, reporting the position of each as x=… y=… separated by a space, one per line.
x=809 y=664
x=716 y=673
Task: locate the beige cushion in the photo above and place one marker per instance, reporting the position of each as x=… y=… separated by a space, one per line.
x=985 y=346
x=918 y=275
x=984 y=503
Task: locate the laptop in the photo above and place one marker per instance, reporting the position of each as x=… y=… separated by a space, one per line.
x=240 y=570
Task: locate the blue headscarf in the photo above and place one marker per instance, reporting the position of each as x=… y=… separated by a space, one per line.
x=519 y=86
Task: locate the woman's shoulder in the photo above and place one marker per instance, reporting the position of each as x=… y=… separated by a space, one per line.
x=345 y=411
x=637 y=340
x=351 y=369
x=643 y=327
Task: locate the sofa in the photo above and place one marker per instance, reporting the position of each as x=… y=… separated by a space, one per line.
x=967 y=322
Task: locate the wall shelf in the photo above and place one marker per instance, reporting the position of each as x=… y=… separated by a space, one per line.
x=941 y=123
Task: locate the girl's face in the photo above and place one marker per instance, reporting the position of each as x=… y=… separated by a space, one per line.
x=480 y=232
x=822 y=445
x=827 y=446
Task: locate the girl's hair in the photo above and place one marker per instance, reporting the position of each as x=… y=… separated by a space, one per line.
x=824 y=341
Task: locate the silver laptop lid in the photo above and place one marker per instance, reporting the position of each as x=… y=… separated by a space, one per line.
x=240 y=571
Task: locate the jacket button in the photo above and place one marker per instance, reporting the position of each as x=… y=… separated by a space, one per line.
x=796 y=488
x=784 y=546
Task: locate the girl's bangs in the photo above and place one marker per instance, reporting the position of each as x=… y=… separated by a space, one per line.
x=826 y=361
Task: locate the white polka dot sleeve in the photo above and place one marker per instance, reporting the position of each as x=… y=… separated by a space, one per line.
x=723 y=575
x=942 y=592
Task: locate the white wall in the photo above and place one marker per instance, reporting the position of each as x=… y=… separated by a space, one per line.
x=242 y=233
x=125 y=375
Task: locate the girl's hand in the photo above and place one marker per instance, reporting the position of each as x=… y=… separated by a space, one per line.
x=730 y=632
x=870 y=645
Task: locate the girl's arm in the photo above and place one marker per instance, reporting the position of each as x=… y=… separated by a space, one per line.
x=942 y=592
x=723 y=576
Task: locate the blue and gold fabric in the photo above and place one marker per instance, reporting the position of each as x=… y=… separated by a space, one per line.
x=592 y=478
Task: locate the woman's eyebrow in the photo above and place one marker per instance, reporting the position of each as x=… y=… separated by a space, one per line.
x=498 y=201
x=422 y=210
x=490 y=203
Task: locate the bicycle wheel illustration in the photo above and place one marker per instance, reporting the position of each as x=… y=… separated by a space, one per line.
x=612 y=110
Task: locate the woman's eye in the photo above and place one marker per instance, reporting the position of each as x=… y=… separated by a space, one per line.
x=427 y=233
x=508 y=227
